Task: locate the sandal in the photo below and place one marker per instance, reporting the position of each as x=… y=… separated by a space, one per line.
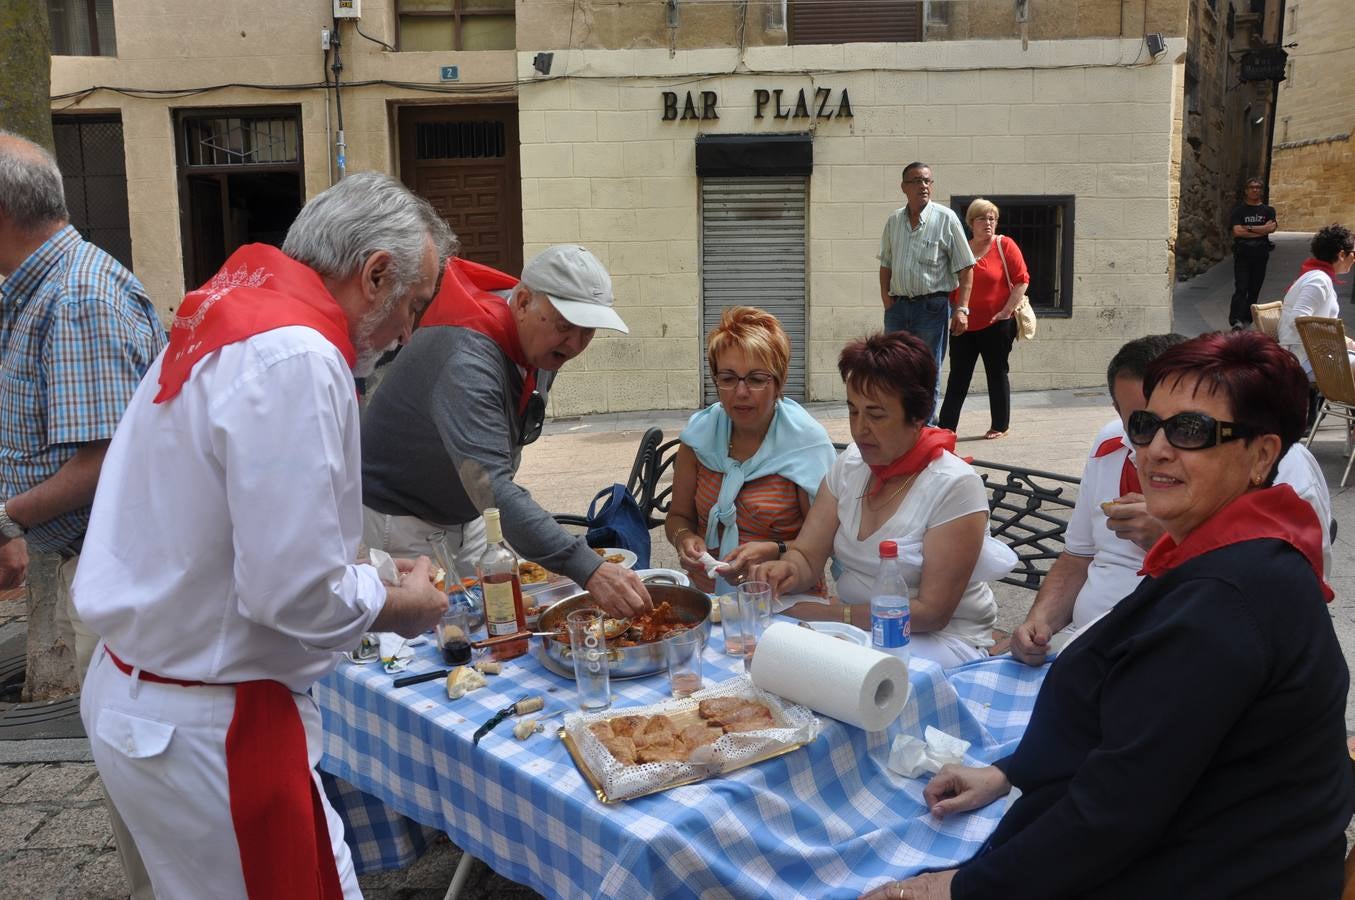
x=993 y=435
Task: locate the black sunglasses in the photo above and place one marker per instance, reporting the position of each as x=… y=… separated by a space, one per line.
x=1186 y=430
x=533 y=418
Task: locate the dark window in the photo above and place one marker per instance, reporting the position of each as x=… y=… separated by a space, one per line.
x=456 y=24
x=843 y=22
x=1043 y=228
x=90 y=153
x=240 y=182
x=459 y=140
x=82 y=27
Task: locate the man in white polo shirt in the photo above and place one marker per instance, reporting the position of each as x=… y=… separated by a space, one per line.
x=924 y=256
x=1110 y=530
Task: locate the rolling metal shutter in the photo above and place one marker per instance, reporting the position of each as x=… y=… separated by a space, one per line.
x=842 y=22
x=753 y=254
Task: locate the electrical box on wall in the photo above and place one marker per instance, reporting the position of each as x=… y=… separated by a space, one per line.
x=348 y=9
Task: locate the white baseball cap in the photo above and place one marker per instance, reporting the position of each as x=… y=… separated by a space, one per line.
x=577 y=285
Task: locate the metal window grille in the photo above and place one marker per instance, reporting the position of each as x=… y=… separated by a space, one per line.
x=459 y=140
x=1043 y=228
x=82 y=27
x=240 y=140
x=840 y=22
x=89 y=150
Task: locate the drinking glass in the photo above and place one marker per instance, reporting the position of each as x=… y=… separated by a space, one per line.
x=684 y=661
x=588 y=647
x=732 y=622
x=454 y=635
x=755 y=610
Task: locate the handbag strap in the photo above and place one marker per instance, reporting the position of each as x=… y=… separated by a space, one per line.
x=1003 y=256
x=611 y=494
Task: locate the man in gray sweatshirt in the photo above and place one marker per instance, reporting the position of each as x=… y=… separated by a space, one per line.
x=472 y=385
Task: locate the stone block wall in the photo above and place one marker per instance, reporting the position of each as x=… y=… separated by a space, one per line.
x=601 y=167
x=1313 y=184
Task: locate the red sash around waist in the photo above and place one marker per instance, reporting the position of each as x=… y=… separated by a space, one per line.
x=279 y=819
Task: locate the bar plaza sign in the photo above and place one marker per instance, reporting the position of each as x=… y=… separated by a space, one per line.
x=816 y=103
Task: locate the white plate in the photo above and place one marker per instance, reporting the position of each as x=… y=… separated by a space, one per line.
x=842 y=630
x=673 y=575
x=629 y=559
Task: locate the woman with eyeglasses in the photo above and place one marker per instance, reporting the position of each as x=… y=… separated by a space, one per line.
x=900 y=481
x=748 y=466
x=1000 y=281
x=1313 y=293
x=1191 y=743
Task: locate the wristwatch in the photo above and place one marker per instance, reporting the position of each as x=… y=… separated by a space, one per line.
x=961 y=309
x=780 y=548
x=8 y=527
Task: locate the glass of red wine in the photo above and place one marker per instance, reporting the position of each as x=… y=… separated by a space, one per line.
x=454 y=635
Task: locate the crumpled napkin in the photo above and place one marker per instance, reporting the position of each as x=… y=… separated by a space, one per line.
x=395 y=653
x=713 y=565
x=910 y=757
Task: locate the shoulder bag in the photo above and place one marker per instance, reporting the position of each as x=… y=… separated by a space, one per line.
x=619 y=523
x=1023 y=314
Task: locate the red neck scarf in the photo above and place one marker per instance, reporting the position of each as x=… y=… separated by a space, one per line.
x=931 y=443
x=257 y=290
x=1273 y=512
x=1129 y=473
x=466 y=299
x=1315 y=265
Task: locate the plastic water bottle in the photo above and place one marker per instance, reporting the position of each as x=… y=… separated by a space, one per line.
x=890 y=630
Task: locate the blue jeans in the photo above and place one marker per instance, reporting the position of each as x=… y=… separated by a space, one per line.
x=928 y=319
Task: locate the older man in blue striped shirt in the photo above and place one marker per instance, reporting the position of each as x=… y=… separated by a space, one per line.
x=924 y=257
x=77 y=333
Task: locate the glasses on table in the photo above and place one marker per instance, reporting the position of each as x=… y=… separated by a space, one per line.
x=1186 y=430
x=533 y=418
x=756 y=381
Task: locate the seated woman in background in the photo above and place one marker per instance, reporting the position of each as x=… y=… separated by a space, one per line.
x=1190 y=743
x=898 y=481
x=1313 y=293
x=748 y=466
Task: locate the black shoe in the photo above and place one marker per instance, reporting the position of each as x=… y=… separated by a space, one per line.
x=1240 y=326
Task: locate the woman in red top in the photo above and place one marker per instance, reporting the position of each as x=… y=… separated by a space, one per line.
x=996 y=294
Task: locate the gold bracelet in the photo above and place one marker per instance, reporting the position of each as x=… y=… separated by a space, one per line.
x=677 y=536
x=846 y=614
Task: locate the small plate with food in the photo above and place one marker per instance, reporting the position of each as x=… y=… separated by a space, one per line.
x=617 y=555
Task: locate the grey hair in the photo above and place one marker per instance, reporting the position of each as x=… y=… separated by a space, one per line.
x=340 y=228
x=31 y=193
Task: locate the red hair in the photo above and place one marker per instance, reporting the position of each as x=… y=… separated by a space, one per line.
x=896 y=364
x=1263 y=382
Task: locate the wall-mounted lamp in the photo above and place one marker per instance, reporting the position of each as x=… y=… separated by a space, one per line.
x=541 y=62
x=1257 y=121
x=1156 y=43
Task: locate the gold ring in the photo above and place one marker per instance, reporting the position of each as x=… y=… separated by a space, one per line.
x=898 y=887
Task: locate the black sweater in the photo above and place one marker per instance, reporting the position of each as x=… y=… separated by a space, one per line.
x=1189 y=744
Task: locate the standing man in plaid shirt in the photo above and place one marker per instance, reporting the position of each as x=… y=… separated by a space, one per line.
x=77 y=332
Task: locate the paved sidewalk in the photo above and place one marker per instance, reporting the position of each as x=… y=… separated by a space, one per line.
x=53 y=831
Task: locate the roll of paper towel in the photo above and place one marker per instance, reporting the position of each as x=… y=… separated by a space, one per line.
x=857 y=685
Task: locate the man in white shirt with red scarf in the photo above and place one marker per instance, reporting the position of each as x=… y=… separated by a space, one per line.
x=218 y=564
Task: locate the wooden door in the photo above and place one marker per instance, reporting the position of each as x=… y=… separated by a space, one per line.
x=464 y=160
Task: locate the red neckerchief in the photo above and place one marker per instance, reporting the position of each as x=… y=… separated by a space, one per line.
x=1273 y=512
x=278 y=818
x=466 y=300
x=258 y=289
x=931 y=443
x=1315 y=265
x=1129 y=473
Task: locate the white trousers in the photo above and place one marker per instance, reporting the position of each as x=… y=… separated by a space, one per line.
x=405 y=537
x=942 y=649
x=160 y=749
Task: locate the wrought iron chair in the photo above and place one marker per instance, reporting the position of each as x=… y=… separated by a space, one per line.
x=653 y=461
x=1324 y=340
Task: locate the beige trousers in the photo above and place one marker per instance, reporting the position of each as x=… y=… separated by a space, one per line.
x=68 y=622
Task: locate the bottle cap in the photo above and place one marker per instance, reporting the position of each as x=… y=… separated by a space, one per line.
x=889 y=550
x=493 y=530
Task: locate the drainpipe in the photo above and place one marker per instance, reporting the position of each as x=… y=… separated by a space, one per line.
x=340 y=147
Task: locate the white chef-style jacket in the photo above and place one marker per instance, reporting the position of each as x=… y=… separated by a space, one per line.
x=217 y=551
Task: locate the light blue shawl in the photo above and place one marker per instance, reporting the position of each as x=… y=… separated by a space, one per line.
x=796 y=447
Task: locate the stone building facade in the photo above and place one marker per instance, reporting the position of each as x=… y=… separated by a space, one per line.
x=709 y=153
x=1312 y=179
x=1226 y=124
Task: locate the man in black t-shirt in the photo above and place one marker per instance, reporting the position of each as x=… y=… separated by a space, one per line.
x=1252 y=222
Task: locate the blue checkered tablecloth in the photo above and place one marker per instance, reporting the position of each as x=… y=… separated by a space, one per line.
x=829 y=820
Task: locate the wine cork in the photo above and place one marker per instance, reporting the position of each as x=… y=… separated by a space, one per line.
x=529 y=705
x=525 y=729
x=489 y=667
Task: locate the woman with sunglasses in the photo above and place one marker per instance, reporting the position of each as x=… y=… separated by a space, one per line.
x=1191 y=743
x=748 y=467
x=899 y=481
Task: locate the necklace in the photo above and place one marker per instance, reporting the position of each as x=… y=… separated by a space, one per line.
x=903 y=487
